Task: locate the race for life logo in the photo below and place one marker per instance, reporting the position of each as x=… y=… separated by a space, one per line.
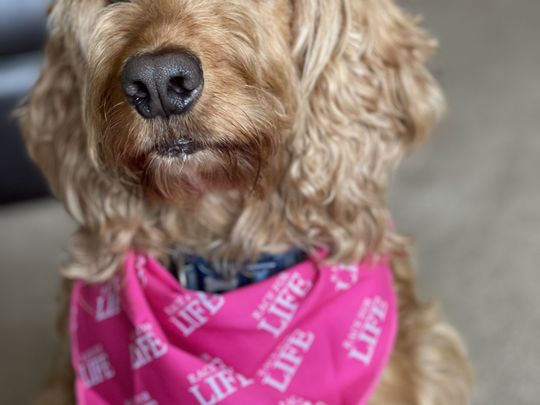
x=296 y=400
x=144 y=398
x=95 y=367
x=108 y=300
x=366 y=330
x=140 y=270
x=280 y=303
x=215 y=381
x=344 y=276
x=145 y=346
x=188 y=312
x=280 y=369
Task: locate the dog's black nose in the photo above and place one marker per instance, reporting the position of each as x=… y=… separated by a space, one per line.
x=162 y=84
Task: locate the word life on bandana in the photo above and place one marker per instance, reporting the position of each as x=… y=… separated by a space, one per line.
x=310 y=335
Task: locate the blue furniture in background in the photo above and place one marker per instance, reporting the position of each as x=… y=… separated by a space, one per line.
x=22 y=33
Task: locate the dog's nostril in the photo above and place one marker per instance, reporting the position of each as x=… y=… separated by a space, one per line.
x=139 y=96
x=138 y=93
x=138 y=90
x=181 y=86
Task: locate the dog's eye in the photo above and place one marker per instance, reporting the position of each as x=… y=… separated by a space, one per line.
x=117 y=1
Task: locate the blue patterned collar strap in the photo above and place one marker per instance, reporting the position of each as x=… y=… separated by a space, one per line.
x=195 y=273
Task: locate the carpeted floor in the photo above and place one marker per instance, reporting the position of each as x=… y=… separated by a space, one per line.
x=471 y=198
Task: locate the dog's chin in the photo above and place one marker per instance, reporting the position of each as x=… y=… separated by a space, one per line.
x=184 y=171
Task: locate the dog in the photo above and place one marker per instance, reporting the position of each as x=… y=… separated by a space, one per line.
x=227 y=130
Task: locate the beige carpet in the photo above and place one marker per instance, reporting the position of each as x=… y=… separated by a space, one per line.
x=471 y=197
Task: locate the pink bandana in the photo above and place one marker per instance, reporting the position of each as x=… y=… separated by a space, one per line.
x=309 y=335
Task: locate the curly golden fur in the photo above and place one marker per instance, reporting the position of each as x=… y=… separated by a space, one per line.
x=307 y=107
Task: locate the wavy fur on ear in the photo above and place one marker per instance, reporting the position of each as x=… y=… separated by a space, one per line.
x=366 y=97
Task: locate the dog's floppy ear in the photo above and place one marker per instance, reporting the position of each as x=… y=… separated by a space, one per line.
x=51 y=123
x=53 y=129
x=366 y=96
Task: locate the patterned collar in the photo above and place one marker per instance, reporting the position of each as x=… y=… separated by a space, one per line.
x=196 y=273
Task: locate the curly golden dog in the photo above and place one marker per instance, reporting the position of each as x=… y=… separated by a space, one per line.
x=233 y=128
